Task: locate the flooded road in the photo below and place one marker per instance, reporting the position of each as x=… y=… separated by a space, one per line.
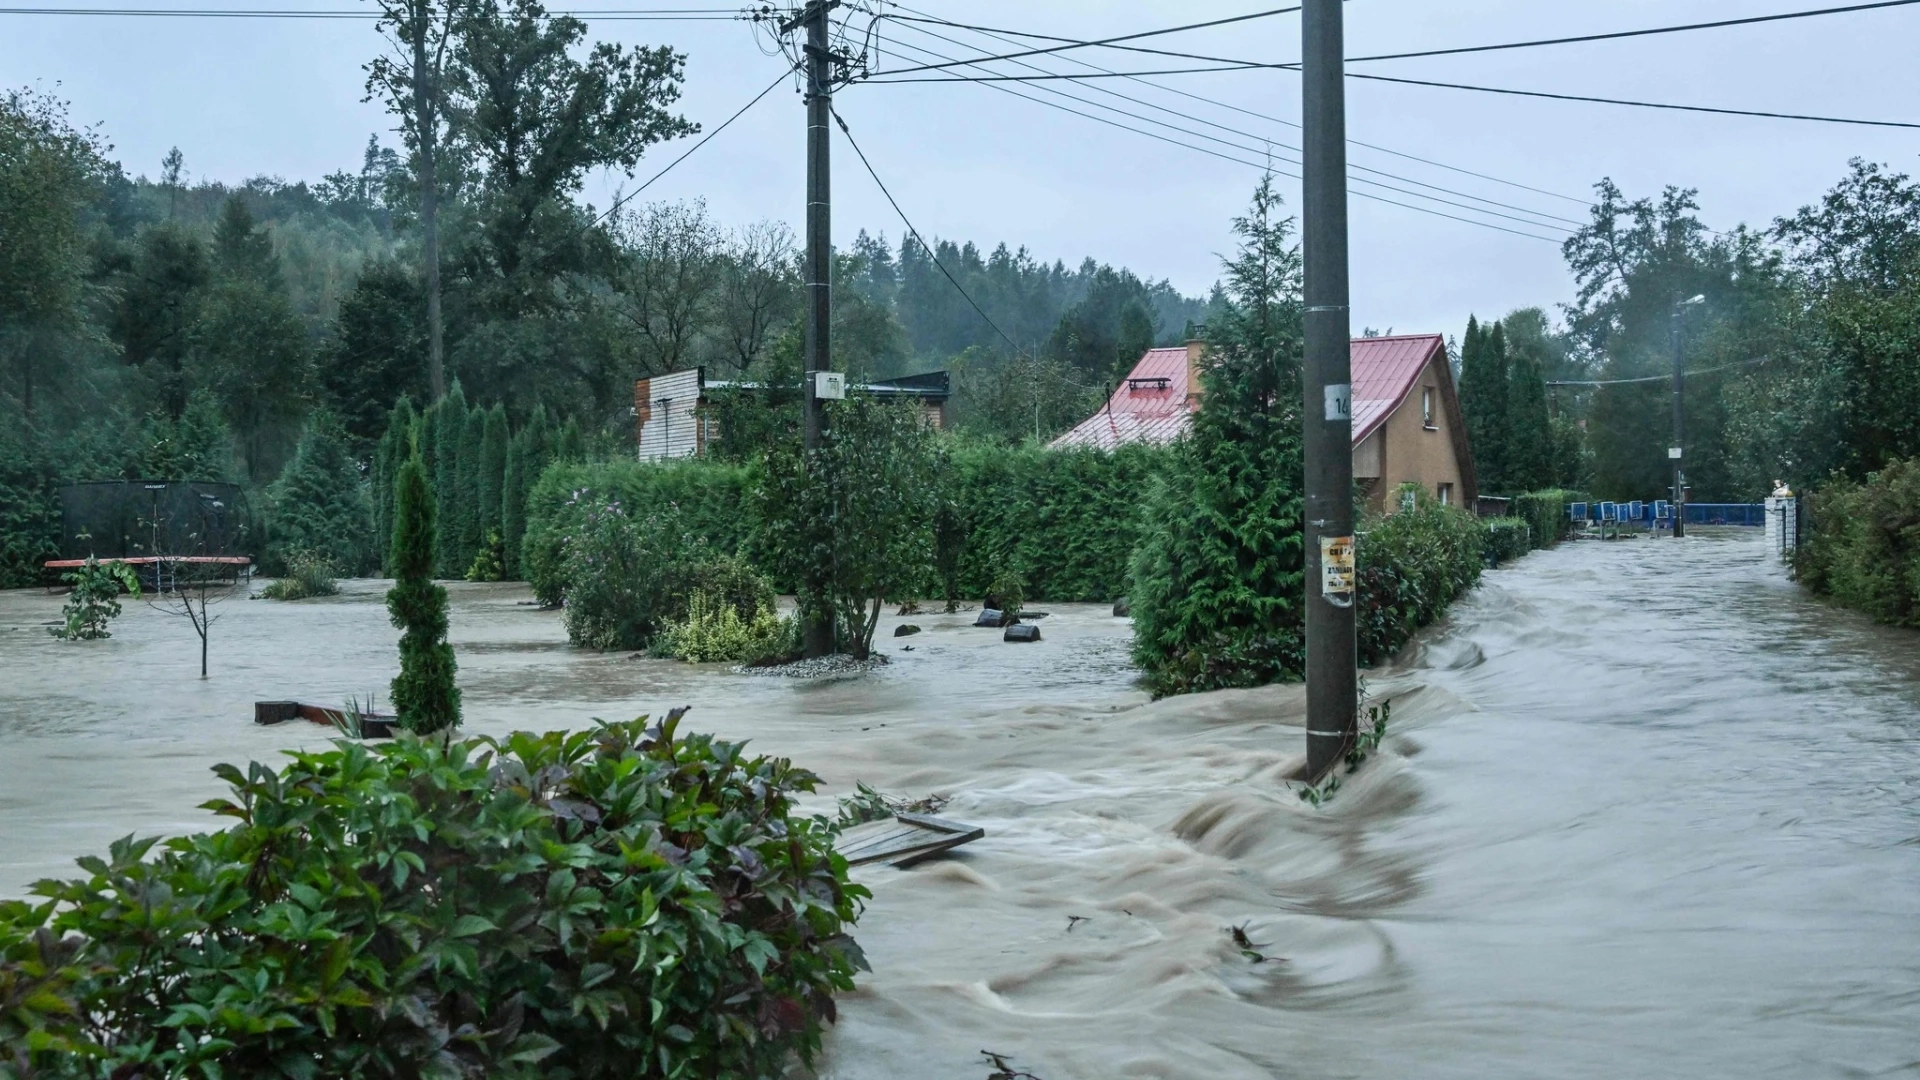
x=1646 y=811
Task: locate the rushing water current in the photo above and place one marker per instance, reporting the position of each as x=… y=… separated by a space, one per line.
x=1646 y=810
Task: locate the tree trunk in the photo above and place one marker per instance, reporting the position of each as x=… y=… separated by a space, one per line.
x=426 y=125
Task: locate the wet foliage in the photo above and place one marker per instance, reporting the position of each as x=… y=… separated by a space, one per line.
x=617 y=902
x=1862 y=546
x=95 y=599
x=1413 y=564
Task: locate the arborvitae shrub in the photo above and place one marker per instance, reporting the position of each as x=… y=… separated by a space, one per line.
x=320 y=505
x=424 y=695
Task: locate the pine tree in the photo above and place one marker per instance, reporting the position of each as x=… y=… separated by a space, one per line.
x=448 y=428
x=1528 y=446
x=424 y=695
x=466 y=523
x=319 y=503
x=1217 y=586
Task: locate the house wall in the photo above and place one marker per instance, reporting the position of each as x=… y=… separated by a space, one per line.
x=1417 y=451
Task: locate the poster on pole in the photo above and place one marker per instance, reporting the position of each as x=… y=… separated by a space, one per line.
x=1336 y=570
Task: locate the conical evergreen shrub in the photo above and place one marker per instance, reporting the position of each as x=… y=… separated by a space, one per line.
x=466 y=503
x=493 y=472
x=319 y=505
x=449 y=426
x=424 y=695
x=1218 y=587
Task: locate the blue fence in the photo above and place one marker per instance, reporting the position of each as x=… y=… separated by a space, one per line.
x=1661 y=511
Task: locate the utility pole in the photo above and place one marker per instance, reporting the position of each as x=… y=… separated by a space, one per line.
x=817 y=635
x=1677 y=452
x=1332 y=656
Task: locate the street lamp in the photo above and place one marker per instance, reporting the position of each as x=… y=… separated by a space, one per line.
x=1676 y=452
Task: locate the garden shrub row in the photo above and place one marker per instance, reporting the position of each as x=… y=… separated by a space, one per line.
x=615 y=902
x=1862 y=544
x=1545 y=512
x=1065 y=522
x=1412 y=566
x=1508 y=538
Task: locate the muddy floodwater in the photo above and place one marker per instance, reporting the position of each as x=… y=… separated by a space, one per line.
x=1646 y=811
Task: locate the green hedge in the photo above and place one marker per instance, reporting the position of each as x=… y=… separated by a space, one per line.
x=1545 y=512
x=1065 y=521
x=1412 y=566
x=711 y=501
x=1508 y=538
x=1862 y=545
x=617 y=902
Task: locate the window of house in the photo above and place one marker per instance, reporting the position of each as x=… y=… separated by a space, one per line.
x=1446 y=494
x=1426 y=408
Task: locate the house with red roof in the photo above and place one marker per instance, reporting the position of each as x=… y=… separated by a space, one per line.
x=1407 y=425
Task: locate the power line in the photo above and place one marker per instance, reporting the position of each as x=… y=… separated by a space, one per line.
x=1656 y=378
x=1264 y=166
x=622 y=200
x=1135 y=76
x=921 y=240
x=1268 y=144
x=1233 y=64
x=1618 y=34
x=604 y=14
x=1113 y=40
x=1642 y=104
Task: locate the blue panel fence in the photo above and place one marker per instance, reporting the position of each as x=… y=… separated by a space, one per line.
x=1749 y=514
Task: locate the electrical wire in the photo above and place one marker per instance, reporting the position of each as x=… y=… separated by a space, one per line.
x=1250 y=65
x=1113 y=40
x=1617 y=35
x=1266 y=166
x=1657 y=378
x=921 y=240
x=1268 y=144
x=603 y=14
x=1135 y=76
x=1640 y=104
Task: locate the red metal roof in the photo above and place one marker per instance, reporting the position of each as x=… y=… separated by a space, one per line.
x=1152 y=406
x=1385 y=370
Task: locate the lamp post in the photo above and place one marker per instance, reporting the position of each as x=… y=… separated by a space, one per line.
x=1676 y=453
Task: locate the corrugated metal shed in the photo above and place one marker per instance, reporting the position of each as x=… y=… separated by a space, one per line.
x=666 y=409
x=1156 y=405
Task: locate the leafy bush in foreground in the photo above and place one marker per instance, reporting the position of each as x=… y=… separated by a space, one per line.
x=618 y=902
x=1863 y=545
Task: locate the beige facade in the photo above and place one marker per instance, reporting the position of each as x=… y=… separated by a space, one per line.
x=1420 y=442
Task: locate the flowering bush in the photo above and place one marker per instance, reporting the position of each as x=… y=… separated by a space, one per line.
x=617 y=902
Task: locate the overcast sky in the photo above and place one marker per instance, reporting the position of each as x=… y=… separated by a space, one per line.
x=283 y=97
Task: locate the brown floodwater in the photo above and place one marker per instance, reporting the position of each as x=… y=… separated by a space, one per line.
x=1646 y=810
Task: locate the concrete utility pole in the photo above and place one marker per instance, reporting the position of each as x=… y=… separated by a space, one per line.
x=1332 y=682
x=818 y=632
x=1677 y=452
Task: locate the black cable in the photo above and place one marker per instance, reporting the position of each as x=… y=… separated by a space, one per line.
x=1639 y=104
x=1112 y=40
x=1266 y=166
x=1616 y=35
x=622 y=200
x=1268 y=144
x=921 y=240
x=999 y=35
x=1248 y=64
x=1656 y=378
x=604 y=14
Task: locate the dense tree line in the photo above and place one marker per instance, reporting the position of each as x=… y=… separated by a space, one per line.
x=1802 y=351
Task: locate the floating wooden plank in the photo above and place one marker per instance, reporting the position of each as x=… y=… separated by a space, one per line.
x=904 y=839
